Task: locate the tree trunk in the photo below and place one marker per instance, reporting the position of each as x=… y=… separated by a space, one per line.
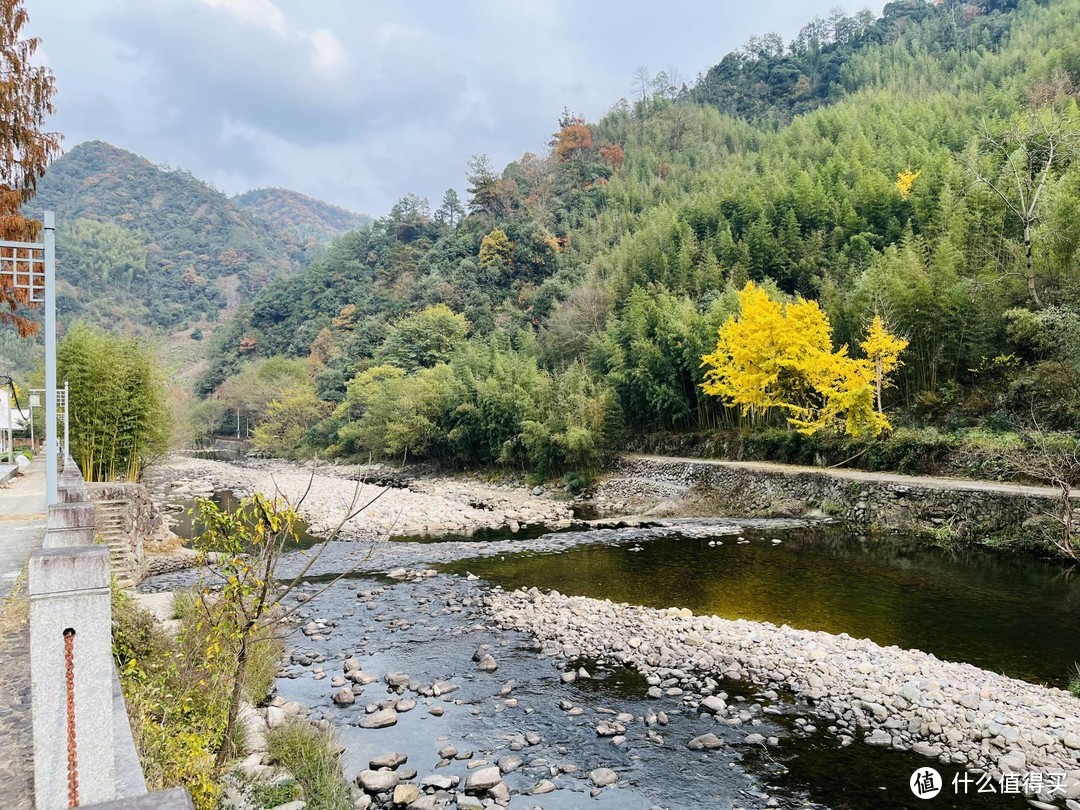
x=228 y=747
x=878 y=374
x=1029 y=268
x=1066 y=521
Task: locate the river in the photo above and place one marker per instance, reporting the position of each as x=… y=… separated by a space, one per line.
x=1008 y=614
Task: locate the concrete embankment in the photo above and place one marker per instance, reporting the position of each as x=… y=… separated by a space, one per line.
x=959 y=509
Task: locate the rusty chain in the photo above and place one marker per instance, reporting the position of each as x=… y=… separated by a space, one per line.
x=72 y=754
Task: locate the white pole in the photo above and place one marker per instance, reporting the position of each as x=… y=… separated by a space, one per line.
x=67 y=409
x=51 y=448
x=10 y=430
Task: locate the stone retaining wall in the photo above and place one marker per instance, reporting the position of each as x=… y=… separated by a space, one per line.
x=140 y=519
x=963 y=512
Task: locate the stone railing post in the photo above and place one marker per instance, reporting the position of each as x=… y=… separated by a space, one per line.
x=70 y=524
x=72 y=676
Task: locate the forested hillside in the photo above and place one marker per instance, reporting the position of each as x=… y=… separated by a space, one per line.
x=920 y=167
x=140 y=245
x=315 y=223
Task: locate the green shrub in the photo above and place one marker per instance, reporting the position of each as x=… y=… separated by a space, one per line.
x=177 y=723
x=177 y=690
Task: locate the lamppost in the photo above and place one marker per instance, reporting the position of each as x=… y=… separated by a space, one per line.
x=31 y=267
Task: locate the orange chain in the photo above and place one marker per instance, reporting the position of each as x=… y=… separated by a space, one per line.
x=73 y=759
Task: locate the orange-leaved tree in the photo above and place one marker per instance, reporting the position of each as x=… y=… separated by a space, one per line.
x=26 y=93
x=777 y=356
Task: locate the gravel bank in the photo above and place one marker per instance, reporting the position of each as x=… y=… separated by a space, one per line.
x=436 y=505
x=906 y=699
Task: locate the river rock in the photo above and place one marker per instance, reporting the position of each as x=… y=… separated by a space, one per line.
x=879 y=737
x=542 y=787
x=487 y=663
x=406 y=793
x=707 y=742
x=483 y=779
x=390 y=761
x=712 y=704
x=379 y=719
x=344 y=697
x=275 y=717
x=509 y=764
x=377 y=781
x=602 y=777
x=439 y=782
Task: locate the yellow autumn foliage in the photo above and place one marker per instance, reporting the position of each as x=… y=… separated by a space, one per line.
x=779 y=356
x=905 y=180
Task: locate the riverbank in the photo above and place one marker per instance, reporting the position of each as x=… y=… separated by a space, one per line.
x=1006 y=516
x=904 y=699
x=402 y=506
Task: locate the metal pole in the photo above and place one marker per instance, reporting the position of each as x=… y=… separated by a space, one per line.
x=51 y=448
x=10 y=431
x=33 y=447
x=67 y=408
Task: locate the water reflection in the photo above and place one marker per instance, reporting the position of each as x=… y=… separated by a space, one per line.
x=1008 y=614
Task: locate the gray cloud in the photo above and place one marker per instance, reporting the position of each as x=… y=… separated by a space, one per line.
x=360 y=102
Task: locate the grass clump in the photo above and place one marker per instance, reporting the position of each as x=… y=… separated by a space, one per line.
x=311 y=756
x=1074 y=681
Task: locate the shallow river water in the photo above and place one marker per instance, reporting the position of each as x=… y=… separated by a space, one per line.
x=1009 y=614
x=1016 y=616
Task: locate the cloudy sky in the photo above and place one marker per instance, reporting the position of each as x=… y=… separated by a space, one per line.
x=358 y=102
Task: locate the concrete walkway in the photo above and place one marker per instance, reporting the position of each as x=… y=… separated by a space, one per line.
x=929 y=482
x=22 y=528
x=22 y=522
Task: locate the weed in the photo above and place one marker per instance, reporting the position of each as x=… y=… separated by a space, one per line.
x=311 y=756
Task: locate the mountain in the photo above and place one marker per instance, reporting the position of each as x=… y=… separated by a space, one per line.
x=306 y=218
x=873 y=166
x=140 y=245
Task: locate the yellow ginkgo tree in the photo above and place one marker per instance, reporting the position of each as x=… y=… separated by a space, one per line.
x=779 y=356
x=882 y=349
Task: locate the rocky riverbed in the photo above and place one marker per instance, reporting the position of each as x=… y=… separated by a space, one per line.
x=381 y=501
x=905 y=699
x=566 y=702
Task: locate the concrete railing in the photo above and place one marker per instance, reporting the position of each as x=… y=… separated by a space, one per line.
x=84 y=754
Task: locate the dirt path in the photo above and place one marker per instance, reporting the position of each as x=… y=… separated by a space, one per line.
x=926 y=481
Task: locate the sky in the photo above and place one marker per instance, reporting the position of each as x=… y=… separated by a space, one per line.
x=360 y=102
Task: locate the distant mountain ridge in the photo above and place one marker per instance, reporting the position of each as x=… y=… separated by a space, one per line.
x=307 y=218
x=147 y=246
